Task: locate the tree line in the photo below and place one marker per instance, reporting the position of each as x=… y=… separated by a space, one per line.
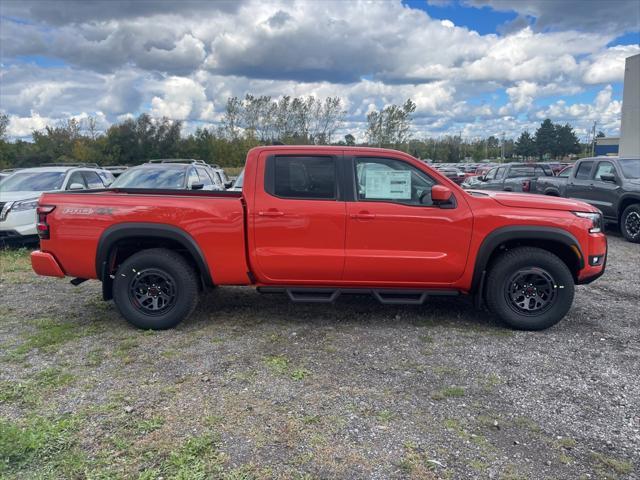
x=259 y=120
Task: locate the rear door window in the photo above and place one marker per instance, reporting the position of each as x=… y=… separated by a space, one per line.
x=76 y=177
x=93 y=180
x=584 y=171
x=302 y=177
x=205 y=179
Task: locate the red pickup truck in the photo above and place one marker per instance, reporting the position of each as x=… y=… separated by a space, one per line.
x=316 y=222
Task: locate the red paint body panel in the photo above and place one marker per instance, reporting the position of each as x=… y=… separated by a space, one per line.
x=45 y=264
x=257 y=238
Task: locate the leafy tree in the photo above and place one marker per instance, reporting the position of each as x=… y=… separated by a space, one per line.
x=525 y=146
x=349 y=140
x=566 y=140
x=4 y=123
x=545 y=139
x=600 y=134
x=390 y=126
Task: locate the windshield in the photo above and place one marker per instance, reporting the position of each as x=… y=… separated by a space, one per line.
x=32 y=182
x=630 y=168
x=146 y=177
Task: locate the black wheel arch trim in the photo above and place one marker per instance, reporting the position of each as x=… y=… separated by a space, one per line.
x=518 y=232
x=122 y=231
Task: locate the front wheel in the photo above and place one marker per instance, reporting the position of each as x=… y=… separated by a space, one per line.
x=529 y=288
x=155 y=289
x=630 y=223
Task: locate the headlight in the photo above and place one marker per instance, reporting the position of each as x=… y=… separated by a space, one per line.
x=596 y=220
x=24 y=205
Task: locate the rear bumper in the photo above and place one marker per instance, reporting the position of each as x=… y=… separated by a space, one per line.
x=45 y=264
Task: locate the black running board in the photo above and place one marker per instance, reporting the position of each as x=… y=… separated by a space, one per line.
x=330 y=295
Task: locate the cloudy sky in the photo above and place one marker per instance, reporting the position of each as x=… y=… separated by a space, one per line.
x=481 y=67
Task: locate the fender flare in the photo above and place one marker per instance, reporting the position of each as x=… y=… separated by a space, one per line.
x=160 y=231
x=518 y=232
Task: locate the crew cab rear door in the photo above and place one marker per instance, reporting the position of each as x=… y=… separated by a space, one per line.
x=395 y=235
x=298 y=218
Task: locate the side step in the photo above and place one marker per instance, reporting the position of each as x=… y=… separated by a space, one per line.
x=330 y=295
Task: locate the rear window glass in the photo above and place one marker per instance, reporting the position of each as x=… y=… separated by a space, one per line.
x=584 y=171
x=305 y=177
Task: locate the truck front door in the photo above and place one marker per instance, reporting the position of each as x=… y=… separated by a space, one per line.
x=395 y=234
x=580 y=183
x=298 y=219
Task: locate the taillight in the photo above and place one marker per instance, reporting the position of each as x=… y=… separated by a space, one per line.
x=42 y=226
x=526 y=185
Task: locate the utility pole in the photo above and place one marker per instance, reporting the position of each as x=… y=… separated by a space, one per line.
x=593 y=139
x=502 y=148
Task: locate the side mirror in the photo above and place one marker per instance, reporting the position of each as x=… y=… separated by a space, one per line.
x=228 y=184
x=197 y=186
x=608 y=177
x=440 y=194
x=482 y=178
x=76 y=186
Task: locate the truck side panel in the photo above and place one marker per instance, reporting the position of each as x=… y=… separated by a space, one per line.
x=215 y=224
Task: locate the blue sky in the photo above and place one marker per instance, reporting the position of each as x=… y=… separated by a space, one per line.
x=478 y=66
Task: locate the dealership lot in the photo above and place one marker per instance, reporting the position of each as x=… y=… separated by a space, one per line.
x=260 y=388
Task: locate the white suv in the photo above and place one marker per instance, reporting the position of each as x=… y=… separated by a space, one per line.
x=19 y=193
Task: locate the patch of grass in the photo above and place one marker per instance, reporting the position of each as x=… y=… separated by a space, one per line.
x=281 y=365
x=146 y=426
x=566 y=443
x=49 y=335
x=19 y=392
x=124 y=348
x=491 y=382
x=479 y=465
x=448 y=392
x=30 y=391
x=300 y=374
x=39 y=442
x=14 y=260
x=526 y=422
x=620 y=467
x=198 y=458
x=384 y=416
x=95 y=357
x=415 y=465
x=278 y=364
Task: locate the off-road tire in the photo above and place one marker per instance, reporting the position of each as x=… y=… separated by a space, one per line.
x=632 y=212
x=500 y=289
x=156 y=264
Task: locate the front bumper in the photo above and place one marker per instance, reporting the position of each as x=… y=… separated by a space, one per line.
x=45 y=264
x=598 y=246
x=21 y=222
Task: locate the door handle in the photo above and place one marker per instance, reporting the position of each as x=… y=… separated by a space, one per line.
x=271 y=213
x=363 y=216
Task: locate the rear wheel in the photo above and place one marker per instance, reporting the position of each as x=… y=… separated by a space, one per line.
x=155 y=289
x=630 y=223
x=529 y=288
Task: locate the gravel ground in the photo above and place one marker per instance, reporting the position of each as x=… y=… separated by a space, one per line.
x=255 y=387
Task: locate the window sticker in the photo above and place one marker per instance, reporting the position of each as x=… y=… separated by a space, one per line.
x=390 y=184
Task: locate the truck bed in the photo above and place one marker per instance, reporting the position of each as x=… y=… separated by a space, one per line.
x=214 y=221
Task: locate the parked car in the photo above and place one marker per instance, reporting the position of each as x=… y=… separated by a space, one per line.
x=514 y=177
x=226 y=182
x=471 y=182
x=315 y=225
x=19 y=194
x=171 y=174
x=611 y=184
x=554 y=186
x=453 y=174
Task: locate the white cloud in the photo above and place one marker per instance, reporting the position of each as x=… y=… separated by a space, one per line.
x=21 y=127
x=184 y=60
